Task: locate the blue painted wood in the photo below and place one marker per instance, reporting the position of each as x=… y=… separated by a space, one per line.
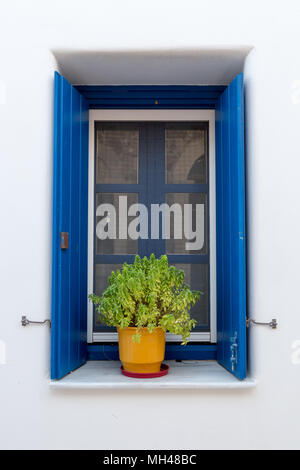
x=230 y=215
x=70 y=208
x=190 y=259
x=121 y=188
x=156 y=179
x=143 y=181
x=185 y=188
x=151 y=97
x=191 y=352
x=103 y=352
x=110 y=352
x=113 y=259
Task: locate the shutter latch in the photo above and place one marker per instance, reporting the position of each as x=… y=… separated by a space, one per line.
x=272 y=324
x=25 y=321
x=64 y=240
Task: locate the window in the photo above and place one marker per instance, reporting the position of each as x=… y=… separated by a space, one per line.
x=177 y=182
x=154 y=162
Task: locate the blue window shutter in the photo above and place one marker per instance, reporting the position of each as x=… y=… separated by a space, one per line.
x=70 y=208
x=230 y=215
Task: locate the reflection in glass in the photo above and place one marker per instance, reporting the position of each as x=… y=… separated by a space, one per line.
x=178 y=246
x=117 y=150
x=186 y=154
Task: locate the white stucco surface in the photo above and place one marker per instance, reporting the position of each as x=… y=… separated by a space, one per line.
x=186 y=375
x=32 y=415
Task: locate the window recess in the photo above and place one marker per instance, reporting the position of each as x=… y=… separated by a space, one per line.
x=69 y=348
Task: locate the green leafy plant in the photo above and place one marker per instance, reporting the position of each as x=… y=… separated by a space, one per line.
x=148 y=294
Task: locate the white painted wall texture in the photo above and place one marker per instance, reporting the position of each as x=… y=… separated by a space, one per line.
x=33 y=416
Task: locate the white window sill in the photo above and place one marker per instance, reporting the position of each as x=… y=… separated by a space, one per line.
x=182 y=375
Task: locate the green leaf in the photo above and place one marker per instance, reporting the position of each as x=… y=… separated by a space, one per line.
x=148 y=293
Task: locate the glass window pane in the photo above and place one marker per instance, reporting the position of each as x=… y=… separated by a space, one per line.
x=117 y=149
x=190 y=226
x=110 y=222
x=102 y=273
x=186 y=154
x=196 y=276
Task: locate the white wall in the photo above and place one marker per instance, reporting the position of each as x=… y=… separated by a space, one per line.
x=31 y=415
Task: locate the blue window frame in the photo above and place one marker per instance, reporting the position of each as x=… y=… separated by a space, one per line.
x=69 y=347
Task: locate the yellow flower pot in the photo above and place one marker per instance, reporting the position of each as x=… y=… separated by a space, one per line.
x=145 y=356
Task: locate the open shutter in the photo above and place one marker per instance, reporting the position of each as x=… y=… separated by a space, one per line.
x=70 y=215
x=230 y=214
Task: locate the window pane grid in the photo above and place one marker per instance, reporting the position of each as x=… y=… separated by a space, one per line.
x=117 y=149
x=170 y=168
x=186 y=153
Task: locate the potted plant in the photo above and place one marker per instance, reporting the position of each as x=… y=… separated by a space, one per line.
x=144 y=300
